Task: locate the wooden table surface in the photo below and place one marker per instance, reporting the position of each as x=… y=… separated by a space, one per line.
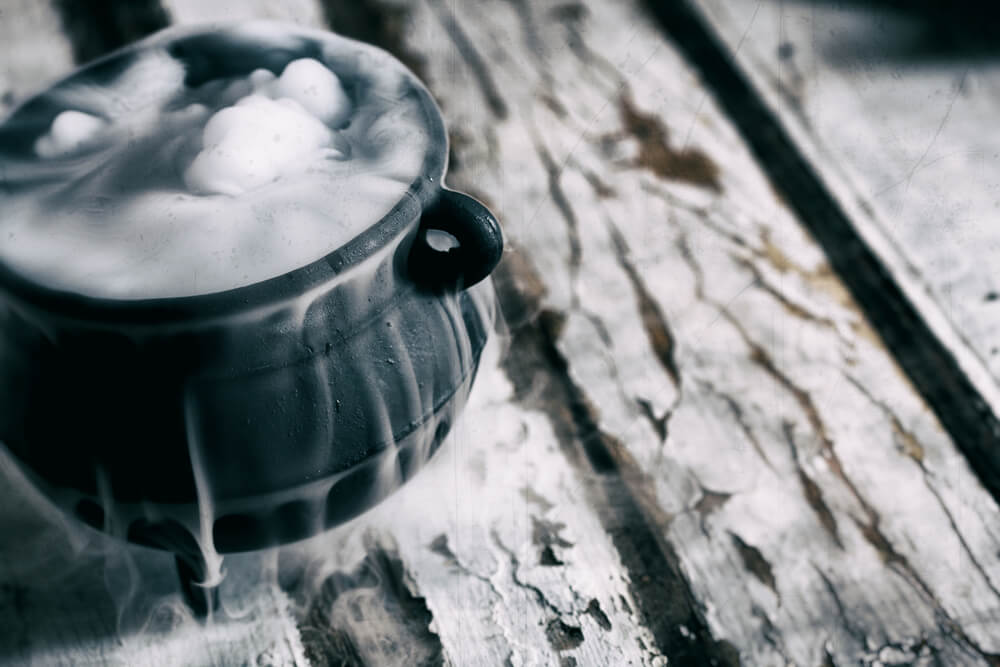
x=745 y=409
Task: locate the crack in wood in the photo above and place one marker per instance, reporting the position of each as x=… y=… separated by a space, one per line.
x=440 y=546
x=755 y=563
x=516 y=578
x=562 y=636
x=401 y=628
x=823 y=279
x=847 y=620
x=470 y=54
x=762 y=359
x=870 y=527
x=529 y=30
x=739 y=417
x=707 y=504
x=545 y=535
x=811 y=490
x=573 y=16
x=595 y=611
x=770 y=633
x=619 y=491
x=599 y=186
x=962 y=541
x=908 y=444
x=654 y=323
x=327 y=645
x=911 y=447
x=535 y=498
x=554 y=174
x=805 y=402
x=683 y=246
x=779 y=296
x=930 y=365
x=553 y=104
x=661 y=424
x=710 y=501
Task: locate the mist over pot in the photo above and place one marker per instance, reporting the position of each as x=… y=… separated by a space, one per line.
x=211 y=364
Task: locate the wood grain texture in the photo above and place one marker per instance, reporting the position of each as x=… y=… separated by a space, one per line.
x=818 y=510
x=497 y=540
x=890 y=107
x=694 y=448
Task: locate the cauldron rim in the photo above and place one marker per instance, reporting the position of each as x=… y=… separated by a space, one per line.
x=402 y=218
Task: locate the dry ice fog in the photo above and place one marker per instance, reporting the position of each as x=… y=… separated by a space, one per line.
x=148 y=187
x=142 y=187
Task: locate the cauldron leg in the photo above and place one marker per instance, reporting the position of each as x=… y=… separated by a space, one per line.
x=191 y=569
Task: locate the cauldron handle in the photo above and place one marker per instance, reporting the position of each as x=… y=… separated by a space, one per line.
x=480 y=243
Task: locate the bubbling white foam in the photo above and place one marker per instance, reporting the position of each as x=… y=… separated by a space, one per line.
x=70 y=131
x=254 y=143
x=285 y=122
x=316 y=88
x=146 y=187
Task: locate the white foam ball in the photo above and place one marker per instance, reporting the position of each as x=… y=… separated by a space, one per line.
x=315 y=87
x=260 y=78
x=254 y=143
x=70 y=131
x=220 y=171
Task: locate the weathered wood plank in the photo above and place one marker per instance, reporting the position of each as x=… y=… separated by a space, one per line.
x=497 y=540
x=894 y=122
x=500 y=567
x=683 y=346
x=71 y=596
x=816 y=505
x=494 y=571
x=488 y=538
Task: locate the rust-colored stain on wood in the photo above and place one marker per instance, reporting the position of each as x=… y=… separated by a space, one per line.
x=688 y=165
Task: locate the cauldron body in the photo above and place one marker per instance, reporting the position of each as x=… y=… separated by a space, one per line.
x=277 y=409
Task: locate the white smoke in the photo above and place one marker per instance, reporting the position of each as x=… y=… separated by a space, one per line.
x=108 y=210
x=144 y=186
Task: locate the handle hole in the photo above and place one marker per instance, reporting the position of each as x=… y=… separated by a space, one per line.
x=441 y=241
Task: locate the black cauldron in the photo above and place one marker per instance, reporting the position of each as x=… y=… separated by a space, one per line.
x=264 y=414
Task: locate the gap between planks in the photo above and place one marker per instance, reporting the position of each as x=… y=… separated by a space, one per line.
x=742 y=547
x=940 y=364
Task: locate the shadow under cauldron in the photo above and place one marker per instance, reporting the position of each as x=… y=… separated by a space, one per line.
x=56 y=576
